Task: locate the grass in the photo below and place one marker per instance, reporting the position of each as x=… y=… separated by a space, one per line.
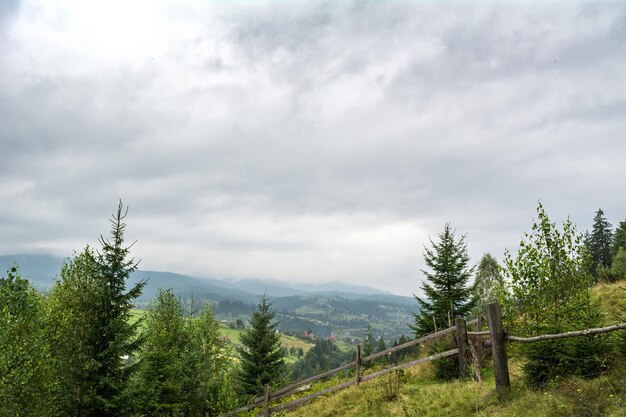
x=286 y=341
x=419 y=394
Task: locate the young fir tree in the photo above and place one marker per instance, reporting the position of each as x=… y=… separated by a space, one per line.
x=448 y=294
x=260 y=352
x=599 y=243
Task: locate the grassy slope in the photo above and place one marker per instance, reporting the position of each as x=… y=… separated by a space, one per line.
x=287 y=341
x=420 y=395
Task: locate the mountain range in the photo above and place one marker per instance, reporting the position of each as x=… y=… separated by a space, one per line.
x=42 y=270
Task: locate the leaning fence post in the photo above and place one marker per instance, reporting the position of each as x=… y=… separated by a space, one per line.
x=266 y=400
x=461 y=343
x=358 y=364
x=498 y=350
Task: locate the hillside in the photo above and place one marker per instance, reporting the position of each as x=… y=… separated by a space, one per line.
x=337 y=309
x=417 y=393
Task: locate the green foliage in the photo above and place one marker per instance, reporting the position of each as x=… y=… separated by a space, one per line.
x=446 y=286
x=599 y=243
x=551 y=294
x=619 y=238
x=25 y=372
x=73 y=332
x=161 y=371
x=618 y=266
x=184 y=367
x=489 y=285
x=325 y=355
x=209 y=368
x=260 y=352
x=368 y=348
x=90 y=328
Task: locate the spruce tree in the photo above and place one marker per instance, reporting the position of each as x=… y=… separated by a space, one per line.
x=117 y=339
x=260 y=352
x=599 y=243
x=619 y=239
x=446 y=288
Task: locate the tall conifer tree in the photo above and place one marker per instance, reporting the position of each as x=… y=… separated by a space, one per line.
x=599 y=242
x=260 y=352
x=448 y=294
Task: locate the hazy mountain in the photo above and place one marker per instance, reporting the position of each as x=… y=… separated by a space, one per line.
x=42 y=269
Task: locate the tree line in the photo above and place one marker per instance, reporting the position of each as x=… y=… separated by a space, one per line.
x=78 y=351
x=545 y=288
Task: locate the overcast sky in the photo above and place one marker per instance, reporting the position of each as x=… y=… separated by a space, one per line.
x=307 y=141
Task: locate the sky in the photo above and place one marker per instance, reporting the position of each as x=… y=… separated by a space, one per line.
x=307 y=141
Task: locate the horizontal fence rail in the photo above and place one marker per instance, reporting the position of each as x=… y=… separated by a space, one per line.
x=576 y=333
x=305 y=384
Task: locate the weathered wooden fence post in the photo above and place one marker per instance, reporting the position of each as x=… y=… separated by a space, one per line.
x=498 y=350
x=358 y=364
x=461 y=343
x=266 y=400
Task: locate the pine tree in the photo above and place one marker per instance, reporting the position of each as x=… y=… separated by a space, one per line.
x=446 y=286
x=599 y=243
x=260 y=352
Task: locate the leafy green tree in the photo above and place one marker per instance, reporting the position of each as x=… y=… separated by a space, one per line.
x=91 y=302
x=448 y=294
x=489 y=284
x=209 y=368
x=72 y=330
x=599 y=242
x=260 y=352
x=161 y=373
x=551 y=294
x=25 y=372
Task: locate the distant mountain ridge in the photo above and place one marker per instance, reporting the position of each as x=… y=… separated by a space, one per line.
x=41 y=270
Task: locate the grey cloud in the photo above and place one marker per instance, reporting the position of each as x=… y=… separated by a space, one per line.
x=266 y=133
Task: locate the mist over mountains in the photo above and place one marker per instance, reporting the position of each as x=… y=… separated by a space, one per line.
x=42 y=270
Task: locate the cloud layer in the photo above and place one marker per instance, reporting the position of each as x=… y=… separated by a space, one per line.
x=308 y=141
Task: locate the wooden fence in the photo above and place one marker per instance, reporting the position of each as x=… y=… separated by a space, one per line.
x=459 y=329
x=473 y=345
